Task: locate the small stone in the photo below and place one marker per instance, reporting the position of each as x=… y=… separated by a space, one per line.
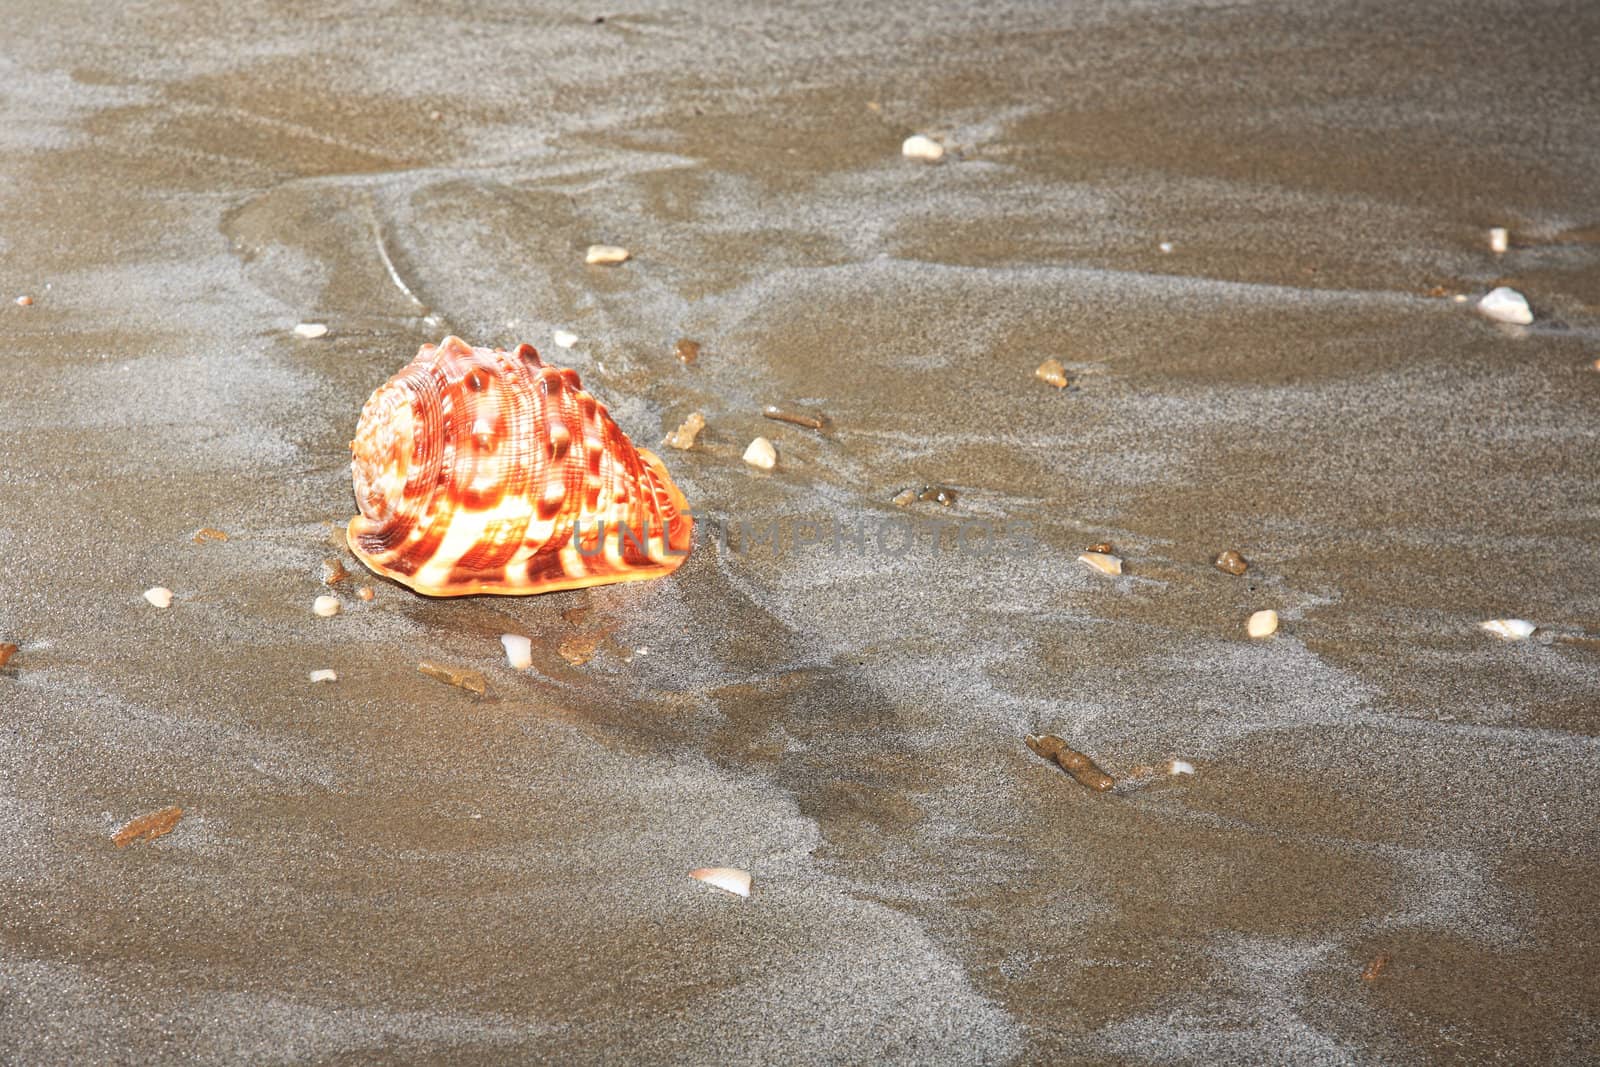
x=208 y=533
x=24 y=301
x=1506 y=305
x=7 y=650
x=905 y=498
x=937 y=494
x=324 y=676
x=1376 y=968
x=1052 y=372
x=1509 y=629
x=1179 y=766
x=1230 y=562
x=1102 y=562
x=605 y=255
x=579 y=649
x=729 y=879
x=761 y=454
x=1262 y=624
x=924 y=148
x=310 y=330
x=365 y=592
x=1101 y=547
x=1499 y=239
x=519 y=651
x=564 y=339
x=148 y=827
x=333 y=572
x=326 y=606
x=686 y=351
x=683 y=437
x=159 y=596
x=1166 y=247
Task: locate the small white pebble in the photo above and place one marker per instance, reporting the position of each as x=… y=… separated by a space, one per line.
x=310 y=330
x=1499 y=239
x=564 y=339
x=1509 y=629
x=924 y=148
x=160 y=596
x=1102 y=562
x=519 y=651
x=324 y=676
x=761 y=454
x=1460 y=298
x=1506 y=305
x=1262 y=624
x=1180 y=766
x=325 y=606
x=1165 y=246
x=729 y=878
x=24 y=301
x=605 y=255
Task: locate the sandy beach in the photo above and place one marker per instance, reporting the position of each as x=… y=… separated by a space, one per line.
x=1254 y=237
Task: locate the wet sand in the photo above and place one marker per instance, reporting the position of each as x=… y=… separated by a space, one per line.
x=388 y=868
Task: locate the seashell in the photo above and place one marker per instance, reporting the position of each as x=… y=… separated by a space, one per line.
x=1509 y=629
x=1103 y=562
x=482 y=471
x=730 y=879
x=1262 y=624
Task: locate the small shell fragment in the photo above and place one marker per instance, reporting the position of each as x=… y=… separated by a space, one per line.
x=519 y=651
x=1166 y=248
x=365 y=592
x=1506 y=305
x=159 y=596
x=1102 y=562
x=1179 y=766
x=924 y=148
x=794 y=418
x=324 y=675
x=686 y=351
x=311 y=330
x=1101 y=546
x=1499 y=239
x=761 y=454
x=24 y=301
x=605 y=255
x=1509 y=629
x=579 y=649
x=1262 y=624
x=1376 y=968
x=7 y=650
x=333 y=571
x=325 y=606
x=683 y=437
x=731 y=879
x=208 y=533
x=1081 y=767
x=471 y=681
x=1230 y=562
x=148 y=827
x=1052 y=372
x=564 y=338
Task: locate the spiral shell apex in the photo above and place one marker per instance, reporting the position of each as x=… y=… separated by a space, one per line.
x=479 y=471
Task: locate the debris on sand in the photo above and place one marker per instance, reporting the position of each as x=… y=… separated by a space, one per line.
x=1105 y=548
x=208 y=533
x=683 y=437
x=1102 y=562
x=148 y=827
x=519 y=651
x=1499 y=239
x=564 y=338
x=686 y=351
x=324 y=675
x=605 y=255
x=731 y=879
x=924 y=148
x=7 y=650
x=325 y=606
x=471 y=681
x=1262 y=624
x=365 y=592
x=794 y=418
x=311 y=330
x=1506 y=305
x=1052 y=372
x=333 y=571
x=580 y=649
x=761 y=454
x=24 y=301
x=1509 y=629
x=159 y=596
x=1230 y=562
x=1075 y=763
x=1376 y=968
x=1179 y=766
x=927 y=494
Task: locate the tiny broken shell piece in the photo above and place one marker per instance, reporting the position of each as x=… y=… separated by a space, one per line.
x=471 y=681
x=605 y=255
x=1052 y=372
x=148 y=827
x=325 y=606
x=793 y=418
x=324 y=675
x=1505 y=304
x=731 y=879
x=208 y=533
x=24 y=301
x=1262 y=624
x=1081 y=767
x=1102 y=562
x=1103 y=547
x=1230 y=562
x=579 y=649
x=918 y=146
x=365 y=592
x=333 y=571
x=7 y=650
x=1179 y=766
x=1509 y=629
x=1499 y=239
x=683 y=437
x=761 y=454
x=686 y=351
x=519 y=651
x=1375 y=969
x=159 y=596
x=564 y=338
x=311 y=330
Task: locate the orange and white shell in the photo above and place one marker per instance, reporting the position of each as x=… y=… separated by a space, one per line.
x=482 y=471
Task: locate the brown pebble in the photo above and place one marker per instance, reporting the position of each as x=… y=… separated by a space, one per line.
x=365 y=593
x=1437 y=291
x=333 y=572
x=471 y=681
x=208 y=533
x=579 y=650
x=1052 y=372
x=24 y=301
x=686 y=351
x=1230 y=562
x=1375 y=968
x=938 y=494
x=7 y=650
x=794 y=418
x=1102 y=547
x=1075 y=763
x=1597 y=364
x=148 y=827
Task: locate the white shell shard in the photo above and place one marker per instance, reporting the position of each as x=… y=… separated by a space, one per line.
x=1506 y=305
x=924 y=148
x=1262 y=624
x=1102 y=562
x=731 y=879
x=324 y=675
x=761 y=454
x=159 y=596
x=519 y=651
x=310 y=330
x=564 y=339
x=1509 y=629
x=605 y=255
x=1166 y=247
x=325 y=606
x=1179 y=766
x=1499 y=239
